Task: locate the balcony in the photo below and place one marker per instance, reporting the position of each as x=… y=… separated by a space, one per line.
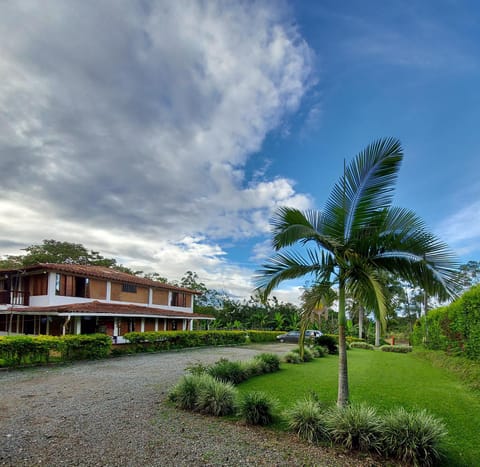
x=14 y=297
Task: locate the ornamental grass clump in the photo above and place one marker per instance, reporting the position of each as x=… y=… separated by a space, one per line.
x=228 y=371
x=270 y=362
x=307 y=354
x=356 y=427
x=216 y=398
x=185 y=393
x=257 y=408
x=319 y=351
x=413 y=437
x=307 y=419
x=292 y=357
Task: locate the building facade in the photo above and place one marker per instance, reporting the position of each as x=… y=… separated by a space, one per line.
x=58 y=299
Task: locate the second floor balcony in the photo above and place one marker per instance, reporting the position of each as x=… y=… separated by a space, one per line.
x=14 y=297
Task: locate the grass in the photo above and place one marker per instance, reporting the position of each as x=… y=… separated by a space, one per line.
x=387 y=380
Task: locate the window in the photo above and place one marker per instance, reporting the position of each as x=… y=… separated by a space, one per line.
x=178 y=299
x=129 y=288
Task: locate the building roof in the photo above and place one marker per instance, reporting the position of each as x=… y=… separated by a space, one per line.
x=101 y=308
x=101 y=272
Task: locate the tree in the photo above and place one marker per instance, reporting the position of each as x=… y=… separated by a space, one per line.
x=356 y=236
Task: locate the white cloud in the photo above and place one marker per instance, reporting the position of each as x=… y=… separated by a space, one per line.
x=126 y=126
x=462 y=229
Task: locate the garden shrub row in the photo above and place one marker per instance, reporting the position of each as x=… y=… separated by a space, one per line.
x=411 y=437
x=166 y=340
x=30 y=350
x=396 y=348
x=454 y=328
x=263 y=336
x=210 y=389
x=362 y=345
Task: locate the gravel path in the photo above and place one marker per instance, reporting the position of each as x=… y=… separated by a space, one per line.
x=112 y=413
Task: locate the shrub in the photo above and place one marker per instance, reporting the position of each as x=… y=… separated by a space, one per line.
x=413 y=437
x=227 y=371
x=307 y=420
x=257 y=408
x=361 y=345
x=253 y=367
x=292 y=357
x=270 y=362
x=355 y=427
x=396 y=348
x=185 y=393
x=319 y=352
x=329 y=342
x=263 y=336
x=216 y=397
x=307 y=354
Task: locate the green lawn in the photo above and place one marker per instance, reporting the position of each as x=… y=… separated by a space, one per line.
x=386 y=380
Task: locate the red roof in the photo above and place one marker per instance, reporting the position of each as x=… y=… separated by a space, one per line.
x=99 y=308
x=102 y=272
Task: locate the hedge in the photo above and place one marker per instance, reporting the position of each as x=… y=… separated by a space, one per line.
x=165 y=340
x=454 y=328
x=264 y=336
x=30 y=350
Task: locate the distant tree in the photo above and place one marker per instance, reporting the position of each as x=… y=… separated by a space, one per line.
x=53 y=251
x=470 y=274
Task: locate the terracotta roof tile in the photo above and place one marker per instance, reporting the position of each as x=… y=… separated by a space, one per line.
x=100 y=308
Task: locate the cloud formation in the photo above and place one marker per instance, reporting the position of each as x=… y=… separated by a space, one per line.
x=126 y=125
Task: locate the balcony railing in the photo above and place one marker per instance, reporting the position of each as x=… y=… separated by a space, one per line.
x=14 y=297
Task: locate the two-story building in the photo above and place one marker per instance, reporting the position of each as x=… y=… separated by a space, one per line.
x=58 y=299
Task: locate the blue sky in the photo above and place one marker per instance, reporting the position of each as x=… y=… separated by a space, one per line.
x=166 y=135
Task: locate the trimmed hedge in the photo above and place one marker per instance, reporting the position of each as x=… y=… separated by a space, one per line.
x=166 y=340
x=396 y=348
x=264 y=336
x=454 y=328
x=362 y=345
x=33 y=350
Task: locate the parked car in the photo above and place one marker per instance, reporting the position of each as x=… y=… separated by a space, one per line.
x=294 y=336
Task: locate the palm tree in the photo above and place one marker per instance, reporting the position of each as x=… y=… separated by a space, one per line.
x=357 y=236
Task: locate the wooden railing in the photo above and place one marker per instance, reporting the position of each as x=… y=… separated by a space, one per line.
x=14 y=297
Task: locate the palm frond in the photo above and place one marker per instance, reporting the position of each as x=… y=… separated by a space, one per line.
x=365 y=188
x=291 y=265
x=290 y=226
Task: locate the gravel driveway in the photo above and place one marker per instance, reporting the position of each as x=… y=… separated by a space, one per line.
x=112 y=413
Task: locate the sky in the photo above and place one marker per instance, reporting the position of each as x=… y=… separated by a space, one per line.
x=165 y=134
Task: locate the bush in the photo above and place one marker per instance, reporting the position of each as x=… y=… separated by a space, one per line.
x=263 y=336
x=185 y=393
x=307 y=420
x=269 y=361
x=85 y=346
x=216 y=397
x=228 y=371
x=413 y=437
x=307 y=354
x=396 y=348
x=329 y=342
x=292 y=357
x=165 y=340
x=253 y=367
x=319 y=352
x=454 y=328
x=361 y=345
x=257 y=408
x=355 y=427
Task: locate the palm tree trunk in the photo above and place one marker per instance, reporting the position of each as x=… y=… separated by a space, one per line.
x=342 y=399
x=377 y=332
x=360 y=322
